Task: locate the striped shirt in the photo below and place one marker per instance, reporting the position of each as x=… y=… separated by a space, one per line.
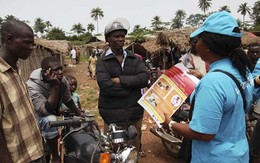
x=17 y=117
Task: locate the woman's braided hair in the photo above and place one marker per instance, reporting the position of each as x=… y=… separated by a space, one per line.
x=228 y=46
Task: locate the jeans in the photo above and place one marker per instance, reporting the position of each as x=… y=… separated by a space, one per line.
x=48 y=132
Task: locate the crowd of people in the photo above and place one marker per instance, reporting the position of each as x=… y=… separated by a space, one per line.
x=217 y=127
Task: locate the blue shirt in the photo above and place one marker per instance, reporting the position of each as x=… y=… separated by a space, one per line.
x=219 y=110
x=255 y=73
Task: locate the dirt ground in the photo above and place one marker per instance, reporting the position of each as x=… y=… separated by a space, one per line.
x=155 y=152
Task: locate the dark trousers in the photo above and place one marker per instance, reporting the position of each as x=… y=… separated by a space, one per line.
x=255 y=144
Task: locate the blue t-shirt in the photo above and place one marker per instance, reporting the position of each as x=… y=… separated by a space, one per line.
x=255 y=73
x=219 y=110
x=75 y=97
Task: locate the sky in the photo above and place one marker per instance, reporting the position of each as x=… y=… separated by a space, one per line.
x=65 y=13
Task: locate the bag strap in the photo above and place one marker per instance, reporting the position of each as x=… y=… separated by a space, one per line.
x=238 y=85
x=191 y=107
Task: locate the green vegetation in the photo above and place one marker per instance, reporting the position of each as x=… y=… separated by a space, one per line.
x=81 y=34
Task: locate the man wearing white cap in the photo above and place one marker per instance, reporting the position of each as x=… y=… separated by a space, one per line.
x=217 y=127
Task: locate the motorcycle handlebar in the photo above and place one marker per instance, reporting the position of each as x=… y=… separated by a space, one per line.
x=69 y=122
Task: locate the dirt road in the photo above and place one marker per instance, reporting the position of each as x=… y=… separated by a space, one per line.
x=155 y=152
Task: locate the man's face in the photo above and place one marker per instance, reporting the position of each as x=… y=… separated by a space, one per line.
x=193 y=43
x=254 y=53
x=55 y=70
x=116 y=39
x=22 y=43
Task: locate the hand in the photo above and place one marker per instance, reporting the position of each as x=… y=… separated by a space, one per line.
x=166 y=122
x=82 y=115
x=195 y=73
x=51 y=77
x=115 y=80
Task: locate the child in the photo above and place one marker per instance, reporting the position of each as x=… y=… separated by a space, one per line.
x=73 y=87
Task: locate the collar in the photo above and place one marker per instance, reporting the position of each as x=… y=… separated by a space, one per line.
x=4 y=66
x=109 y=52
x=221 y=64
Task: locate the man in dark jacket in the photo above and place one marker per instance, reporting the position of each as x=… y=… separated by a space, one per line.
x=120 y=76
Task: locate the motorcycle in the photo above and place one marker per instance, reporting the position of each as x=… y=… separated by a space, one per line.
x=172 y=141
x=82 y=141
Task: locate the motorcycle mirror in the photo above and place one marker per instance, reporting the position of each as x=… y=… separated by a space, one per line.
x=131 y=132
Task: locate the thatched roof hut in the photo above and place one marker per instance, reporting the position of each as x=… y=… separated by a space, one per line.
x=43 y=49
x=181 y=37
x=171 y=38
x=168 y=38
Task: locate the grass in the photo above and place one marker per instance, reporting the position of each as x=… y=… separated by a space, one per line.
x=89 y=100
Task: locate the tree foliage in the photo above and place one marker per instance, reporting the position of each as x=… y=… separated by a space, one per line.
x=78 y=29
x=244 y=9
x=156 y=23
x=204 y=5
x=96 y=14
x=90 y=27
x=56 y=34
x=39 y=25
x=194 y=20
x=255 y=15
x=138 y=34
x=178 y=20
x=225 y=8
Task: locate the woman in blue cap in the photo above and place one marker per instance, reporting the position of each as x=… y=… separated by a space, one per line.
x=217 y=127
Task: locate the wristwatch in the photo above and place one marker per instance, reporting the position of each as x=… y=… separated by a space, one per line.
x=170 y=125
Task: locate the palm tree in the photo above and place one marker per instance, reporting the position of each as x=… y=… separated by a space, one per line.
x=243 y=9
x=255 y=15
x=90 y=27
x=78 y=28
x=97 y=13
x=225 y=8
x=195 y=20
x=56 y=33
x=48 y=25
x=39 y=25
x=156 y=23
x=10 y=17
x=177 y=22
x=204 y=5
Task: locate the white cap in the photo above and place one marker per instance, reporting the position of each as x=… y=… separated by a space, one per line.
x=117 y=24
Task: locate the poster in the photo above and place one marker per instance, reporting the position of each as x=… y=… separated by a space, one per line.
x=168 y=93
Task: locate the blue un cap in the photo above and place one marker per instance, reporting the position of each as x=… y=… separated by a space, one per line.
x=219 y=23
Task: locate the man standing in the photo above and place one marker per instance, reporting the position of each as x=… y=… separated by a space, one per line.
x=20 y=137
x=73 y=55
x=120 y=76
x=48 y=89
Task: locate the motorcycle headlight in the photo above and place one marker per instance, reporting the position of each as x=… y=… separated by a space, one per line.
x=129 y=155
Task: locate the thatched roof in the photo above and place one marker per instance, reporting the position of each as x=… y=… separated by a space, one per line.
x=249 y=38
x=181 y=36
x=168 y=38
x=55 y=46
